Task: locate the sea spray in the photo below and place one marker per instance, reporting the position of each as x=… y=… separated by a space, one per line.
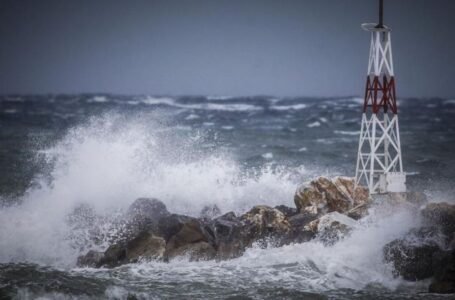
x=109 y=162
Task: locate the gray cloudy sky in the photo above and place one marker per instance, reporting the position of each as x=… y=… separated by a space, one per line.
x=249 y=47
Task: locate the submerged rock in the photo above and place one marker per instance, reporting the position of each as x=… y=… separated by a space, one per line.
x=324 y=195
x=333 y=227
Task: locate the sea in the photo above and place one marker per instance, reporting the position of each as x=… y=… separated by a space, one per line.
x=58 y=152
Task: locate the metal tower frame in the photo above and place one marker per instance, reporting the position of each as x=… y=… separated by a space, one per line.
x=379 y=162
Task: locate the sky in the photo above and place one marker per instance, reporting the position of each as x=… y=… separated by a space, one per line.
x=218 y=47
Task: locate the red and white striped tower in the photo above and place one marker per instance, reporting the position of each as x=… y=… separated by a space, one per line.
x=379 y=163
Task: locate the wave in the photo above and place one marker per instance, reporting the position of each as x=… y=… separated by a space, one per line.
x=230 y=107
x=98 y=99
x=288 y=107
x=107 y=164
x=344 y=132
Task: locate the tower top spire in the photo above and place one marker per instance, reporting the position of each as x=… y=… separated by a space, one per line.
x=380 y=25
x=381 y=14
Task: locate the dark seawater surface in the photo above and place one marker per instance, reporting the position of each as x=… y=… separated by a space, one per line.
x=58 y=152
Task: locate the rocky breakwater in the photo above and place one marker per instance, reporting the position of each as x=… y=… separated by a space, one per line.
x=427 y=251
x=325 y=208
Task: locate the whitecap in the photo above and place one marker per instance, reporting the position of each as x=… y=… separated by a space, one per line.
x=158 y=101
x=450 y=102
x=268 y=155
x=192 y=117
x=347 y=132
x=98 y=99
x=216 y=97
x=227 y=127
x=10 y=111
x=288 y=107
x=314 y=124
x=303 y=149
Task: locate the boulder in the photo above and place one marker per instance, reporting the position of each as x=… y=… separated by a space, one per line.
x=359 y=212
x=229 y=239
x=324 y=195
x=441 y=215
x=114 y=256
x=411 y=256
x=145 y=246
x=210 y=211
x=287 y=211
x=92 y=259
x=264 y=222
x=444 y=272
x=183 y=233
x=198 y=251
x=299 y=233
x=146 y=212
x=334 y=226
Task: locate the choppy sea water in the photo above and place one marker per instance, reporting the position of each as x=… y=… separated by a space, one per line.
x=57 y=152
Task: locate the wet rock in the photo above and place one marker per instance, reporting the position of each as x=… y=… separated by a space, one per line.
x=263 y=221
x=146 y=212
x=172 y=224
x=299 y=233
x=324 y=195
x=229 y=239
x=441 y=215
x=444 y=272
x=183 y=233
x=359 y=212
x=334 y=226
x=287 y=211
x=91 y=259
x=198 y=251
x=114 y=256
x=145 y=246
x=210 y=211
x=411 y=256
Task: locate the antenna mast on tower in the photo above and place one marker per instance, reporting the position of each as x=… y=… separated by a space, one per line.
x=379 y=163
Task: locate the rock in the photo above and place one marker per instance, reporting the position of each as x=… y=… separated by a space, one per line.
x=358 y=212
x=210 y=211
x=195 y=251
x=287 y=211
x=411 y=256
x=145 y=246
x=227 y=230
x=415 y=198
x=181 y=233
x=444 y=272
x=323 y=195
x=147 y=211
x=171 y=225
x=114 y=256
x=143 y=214
x=91 y=259
x=360 y=195
x=442 y=215
x=265 y=222
x=333 y=227
x=299 y=233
